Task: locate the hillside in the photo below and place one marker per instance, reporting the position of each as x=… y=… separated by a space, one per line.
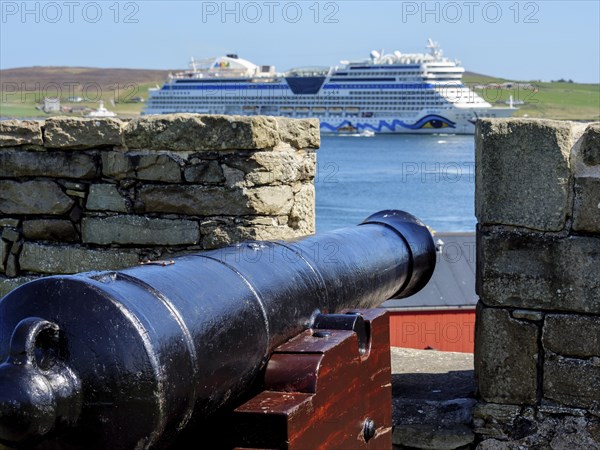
x=81 y=75
x=543 y=99
x=24 y=88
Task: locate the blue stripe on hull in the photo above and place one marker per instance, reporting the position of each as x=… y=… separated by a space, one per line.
x=329 y=86
x=429 y=122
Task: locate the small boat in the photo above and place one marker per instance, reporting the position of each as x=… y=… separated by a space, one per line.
x=101 y=111
x=347 y=129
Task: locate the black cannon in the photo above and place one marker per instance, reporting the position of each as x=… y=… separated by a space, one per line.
x=127 y=359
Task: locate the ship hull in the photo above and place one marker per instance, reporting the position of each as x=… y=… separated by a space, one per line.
x=448 y=122
x=432 y=122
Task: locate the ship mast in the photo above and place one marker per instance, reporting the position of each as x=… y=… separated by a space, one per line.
x=434 y=49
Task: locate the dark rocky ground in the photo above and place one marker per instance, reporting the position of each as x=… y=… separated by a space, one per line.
x=433 y=393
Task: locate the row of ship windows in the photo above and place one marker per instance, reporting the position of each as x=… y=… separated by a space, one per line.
x=394 y=94
x=295 y=101
x=375 y=106
x=354 y=98
x=305 y=101
x=428 y=92
x=397 y=97
x=343 y=103
x=311 y=113
x=381 y=74
x=390 y=92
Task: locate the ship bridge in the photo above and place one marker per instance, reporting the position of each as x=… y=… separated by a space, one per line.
x=306 y=80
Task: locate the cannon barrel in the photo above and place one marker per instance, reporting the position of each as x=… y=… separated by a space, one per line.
x=127 y=359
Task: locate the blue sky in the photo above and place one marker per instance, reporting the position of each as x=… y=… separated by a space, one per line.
x=526 y=40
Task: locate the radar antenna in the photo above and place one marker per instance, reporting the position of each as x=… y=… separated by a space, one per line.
x=193 y=64
x=434 y=49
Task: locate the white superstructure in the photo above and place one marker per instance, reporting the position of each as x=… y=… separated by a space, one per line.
x=101 y=111
x=387 y=93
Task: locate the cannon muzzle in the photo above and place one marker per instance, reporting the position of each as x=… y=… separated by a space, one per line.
x=127 y=359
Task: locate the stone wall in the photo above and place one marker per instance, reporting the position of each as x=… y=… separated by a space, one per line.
x=90 y=194
x=537 y=347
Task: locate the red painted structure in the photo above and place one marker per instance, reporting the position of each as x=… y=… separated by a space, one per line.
x=445 y=330
x=442 y=315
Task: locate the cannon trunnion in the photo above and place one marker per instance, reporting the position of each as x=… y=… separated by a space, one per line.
x=128 y=359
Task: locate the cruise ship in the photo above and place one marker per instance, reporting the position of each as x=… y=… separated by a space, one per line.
x=386 y=93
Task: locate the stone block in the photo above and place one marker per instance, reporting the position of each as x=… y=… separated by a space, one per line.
x=73 y=193
x=11 y=268
x=496 y=421
x=300 y=133
x=216 y=235
x=302 y=214
x=308 y=168
x=141 y=166
x=586 y=207
x=525 y=314
x=105 y=197
x=590 y=145
x=116 y=165
x=263 y=168
x=42 y=258
x=234 y=178
x=506 y=357
x=9 y=222
x=10 y=234
x=9 y=284
x=271 y=200
x=50 y=230
x=20 y=132
x=505 y=414
x=16 y=163
x=198 y=132
x=572 y=335
x=538 y=271
x=192 y=200
x=16 y=247
x=548 y=433
x=436 y=437
x=137 y=230
x=4 y=250
x=208 y=172
x=572 y=382
x=523 y=177
x=79 y=132
x=33 y=197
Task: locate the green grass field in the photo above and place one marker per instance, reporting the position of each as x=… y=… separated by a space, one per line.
x=548 y=100
x=19 y=104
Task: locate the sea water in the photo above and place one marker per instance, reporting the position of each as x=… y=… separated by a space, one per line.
x=432 y=177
